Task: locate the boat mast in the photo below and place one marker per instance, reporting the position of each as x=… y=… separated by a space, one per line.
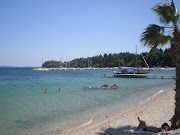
x=42 y=62
x=136 y=58
x=145 y=61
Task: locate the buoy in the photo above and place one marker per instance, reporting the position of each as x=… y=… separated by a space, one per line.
x=59 y=89
x=46 y=90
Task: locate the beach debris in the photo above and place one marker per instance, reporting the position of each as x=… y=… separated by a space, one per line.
x=59 y=130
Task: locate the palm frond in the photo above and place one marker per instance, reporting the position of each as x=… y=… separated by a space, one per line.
x=167 y=13
x=175 y=14
x=154 y=36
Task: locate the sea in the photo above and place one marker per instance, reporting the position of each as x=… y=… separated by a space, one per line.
x=25 y=108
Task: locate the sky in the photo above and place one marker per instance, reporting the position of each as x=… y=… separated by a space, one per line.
x=35 y=31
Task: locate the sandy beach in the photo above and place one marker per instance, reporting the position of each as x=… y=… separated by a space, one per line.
x=155 y=111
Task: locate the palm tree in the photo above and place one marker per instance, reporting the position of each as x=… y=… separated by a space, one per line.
x=155 y=35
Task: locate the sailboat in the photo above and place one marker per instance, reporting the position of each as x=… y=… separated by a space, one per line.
x=132 y=70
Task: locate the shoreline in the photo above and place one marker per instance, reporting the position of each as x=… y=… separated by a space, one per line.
x=155 y=111
x=151 y=69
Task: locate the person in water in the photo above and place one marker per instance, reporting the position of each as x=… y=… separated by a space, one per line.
x=46 y=90
x=142 y=125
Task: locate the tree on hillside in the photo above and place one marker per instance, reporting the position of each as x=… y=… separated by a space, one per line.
x=51 y=64
x=155 y=35
x=156 y=57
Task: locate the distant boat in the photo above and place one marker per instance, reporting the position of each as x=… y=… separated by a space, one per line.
x=132 y=70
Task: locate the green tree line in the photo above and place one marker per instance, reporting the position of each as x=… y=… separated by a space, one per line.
x=156 y=57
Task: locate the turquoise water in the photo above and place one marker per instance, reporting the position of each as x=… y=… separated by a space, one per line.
x=26 y=109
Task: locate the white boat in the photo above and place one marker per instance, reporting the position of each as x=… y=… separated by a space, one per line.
x=132 y=70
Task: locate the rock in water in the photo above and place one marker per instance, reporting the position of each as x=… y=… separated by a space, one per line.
x=104 y=86
x=115 y=86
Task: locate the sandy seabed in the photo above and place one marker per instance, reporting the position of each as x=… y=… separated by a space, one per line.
x=155 y=111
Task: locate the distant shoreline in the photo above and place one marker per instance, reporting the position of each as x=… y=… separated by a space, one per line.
x=152 y=69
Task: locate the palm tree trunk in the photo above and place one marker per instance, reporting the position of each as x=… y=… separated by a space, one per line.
x=176 y=118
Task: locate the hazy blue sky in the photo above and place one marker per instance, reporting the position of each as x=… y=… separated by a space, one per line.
x=52 y=29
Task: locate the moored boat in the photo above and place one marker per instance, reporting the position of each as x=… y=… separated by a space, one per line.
x=129 y=70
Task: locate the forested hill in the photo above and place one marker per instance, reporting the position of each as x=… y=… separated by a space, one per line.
x=156 y=57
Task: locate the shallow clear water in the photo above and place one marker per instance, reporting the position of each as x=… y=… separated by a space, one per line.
x=26 y=109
